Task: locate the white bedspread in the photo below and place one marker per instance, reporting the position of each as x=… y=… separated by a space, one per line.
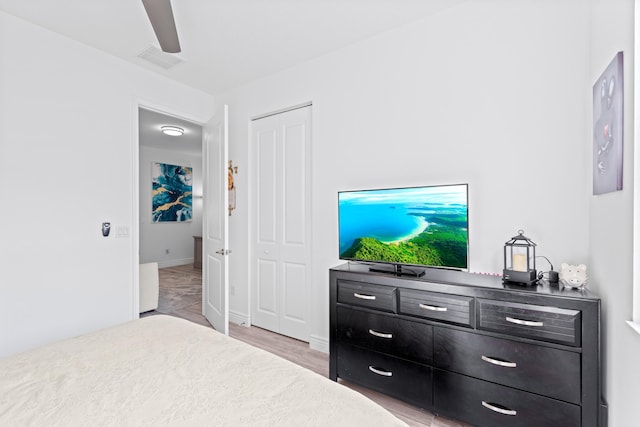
x=160 y=370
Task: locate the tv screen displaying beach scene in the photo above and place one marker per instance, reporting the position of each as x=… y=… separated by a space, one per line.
x=426 y=226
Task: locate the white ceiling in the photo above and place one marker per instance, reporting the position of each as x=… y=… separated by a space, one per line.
x=226 y=43
x=150 y=135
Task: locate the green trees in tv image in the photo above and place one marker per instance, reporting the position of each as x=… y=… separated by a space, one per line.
x=442 y=244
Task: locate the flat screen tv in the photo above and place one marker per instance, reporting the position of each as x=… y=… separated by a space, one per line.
x=417 y=226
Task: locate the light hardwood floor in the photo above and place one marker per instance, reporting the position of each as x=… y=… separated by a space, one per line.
x=181 y=296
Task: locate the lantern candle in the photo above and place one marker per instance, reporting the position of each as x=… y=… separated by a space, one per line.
x=519 y=262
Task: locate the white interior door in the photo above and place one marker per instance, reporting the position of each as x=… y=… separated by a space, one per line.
x=215 y=220
x=281 y=224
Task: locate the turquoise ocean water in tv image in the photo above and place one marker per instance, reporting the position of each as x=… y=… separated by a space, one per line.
x=424 y=226
x=386 y=222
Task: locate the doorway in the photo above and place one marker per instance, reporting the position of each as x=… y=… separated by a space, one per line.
x=172 y=244
x=281 y=222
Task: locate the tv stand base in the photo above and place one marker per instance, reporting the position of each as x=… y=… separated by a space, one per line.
x=397 y=270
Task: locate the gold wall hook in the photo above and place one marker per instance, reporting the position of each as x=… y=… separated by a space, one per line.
x=232 y=186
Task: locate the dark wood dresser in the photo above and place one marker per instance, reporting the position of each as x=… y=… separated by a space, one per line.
x=469 y=347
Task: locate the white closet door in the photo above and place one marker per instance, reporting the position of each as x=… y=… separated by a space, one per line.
x=281 y=232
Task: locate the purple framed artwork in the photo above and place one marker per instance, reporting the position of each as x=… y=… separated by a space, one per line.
x=607 y=128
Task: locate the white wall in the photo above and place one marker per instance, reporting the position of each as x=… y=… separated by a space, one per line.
x=68 y=132
x=493 y=93
x=611 y=225
x=177 y=237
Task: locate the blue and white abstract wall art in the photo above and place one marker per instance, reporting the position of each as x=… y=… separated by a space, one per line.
x=171 y=193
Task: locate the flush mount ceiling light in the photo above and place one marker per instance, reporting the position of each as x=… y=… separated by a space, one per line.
x=172 y=130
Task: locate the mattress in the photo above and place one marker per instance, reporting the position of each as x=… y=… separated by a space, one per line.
x=162 y=370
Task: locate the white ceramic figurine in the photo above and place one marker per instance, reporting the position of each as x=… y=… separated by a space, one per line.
x=573 y=276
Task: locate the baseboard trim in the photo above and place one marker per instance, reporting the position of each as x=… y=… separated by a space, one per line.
x=238 y=318
x=175 y=262
x=319 y=343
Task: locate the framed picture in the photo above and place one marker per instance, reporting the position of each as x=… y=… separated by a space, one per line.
x=171 y=193
x=607 y=128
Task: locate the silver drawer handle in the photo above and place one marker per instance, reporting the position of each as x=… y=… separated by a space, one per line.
x=380 y=334
x=380 y=372
x=432 y=307
x=499 y=362
x=369 y=297
x=523 y=322
x=499 y=410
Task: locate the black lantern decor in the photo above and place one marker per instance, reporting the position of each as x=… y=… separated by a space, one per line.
x=520 y=260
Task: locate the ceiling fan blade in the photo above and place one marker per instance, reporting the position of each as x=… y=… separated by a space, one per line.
x=161 y=17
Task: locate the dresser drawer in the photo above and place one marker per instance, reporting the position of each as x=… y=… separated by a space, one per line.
x=544 y=323
x=368 y=295
x=386 y=334
x=485 y=404
x=437 y=306
x=543 y=370
x=405 y=380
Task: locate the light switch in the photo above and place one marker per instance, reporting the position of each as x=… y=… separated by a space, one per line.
x=122 y=231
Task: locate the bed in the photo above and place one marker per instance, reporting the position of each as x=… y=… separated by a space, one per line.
x=162 y=370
